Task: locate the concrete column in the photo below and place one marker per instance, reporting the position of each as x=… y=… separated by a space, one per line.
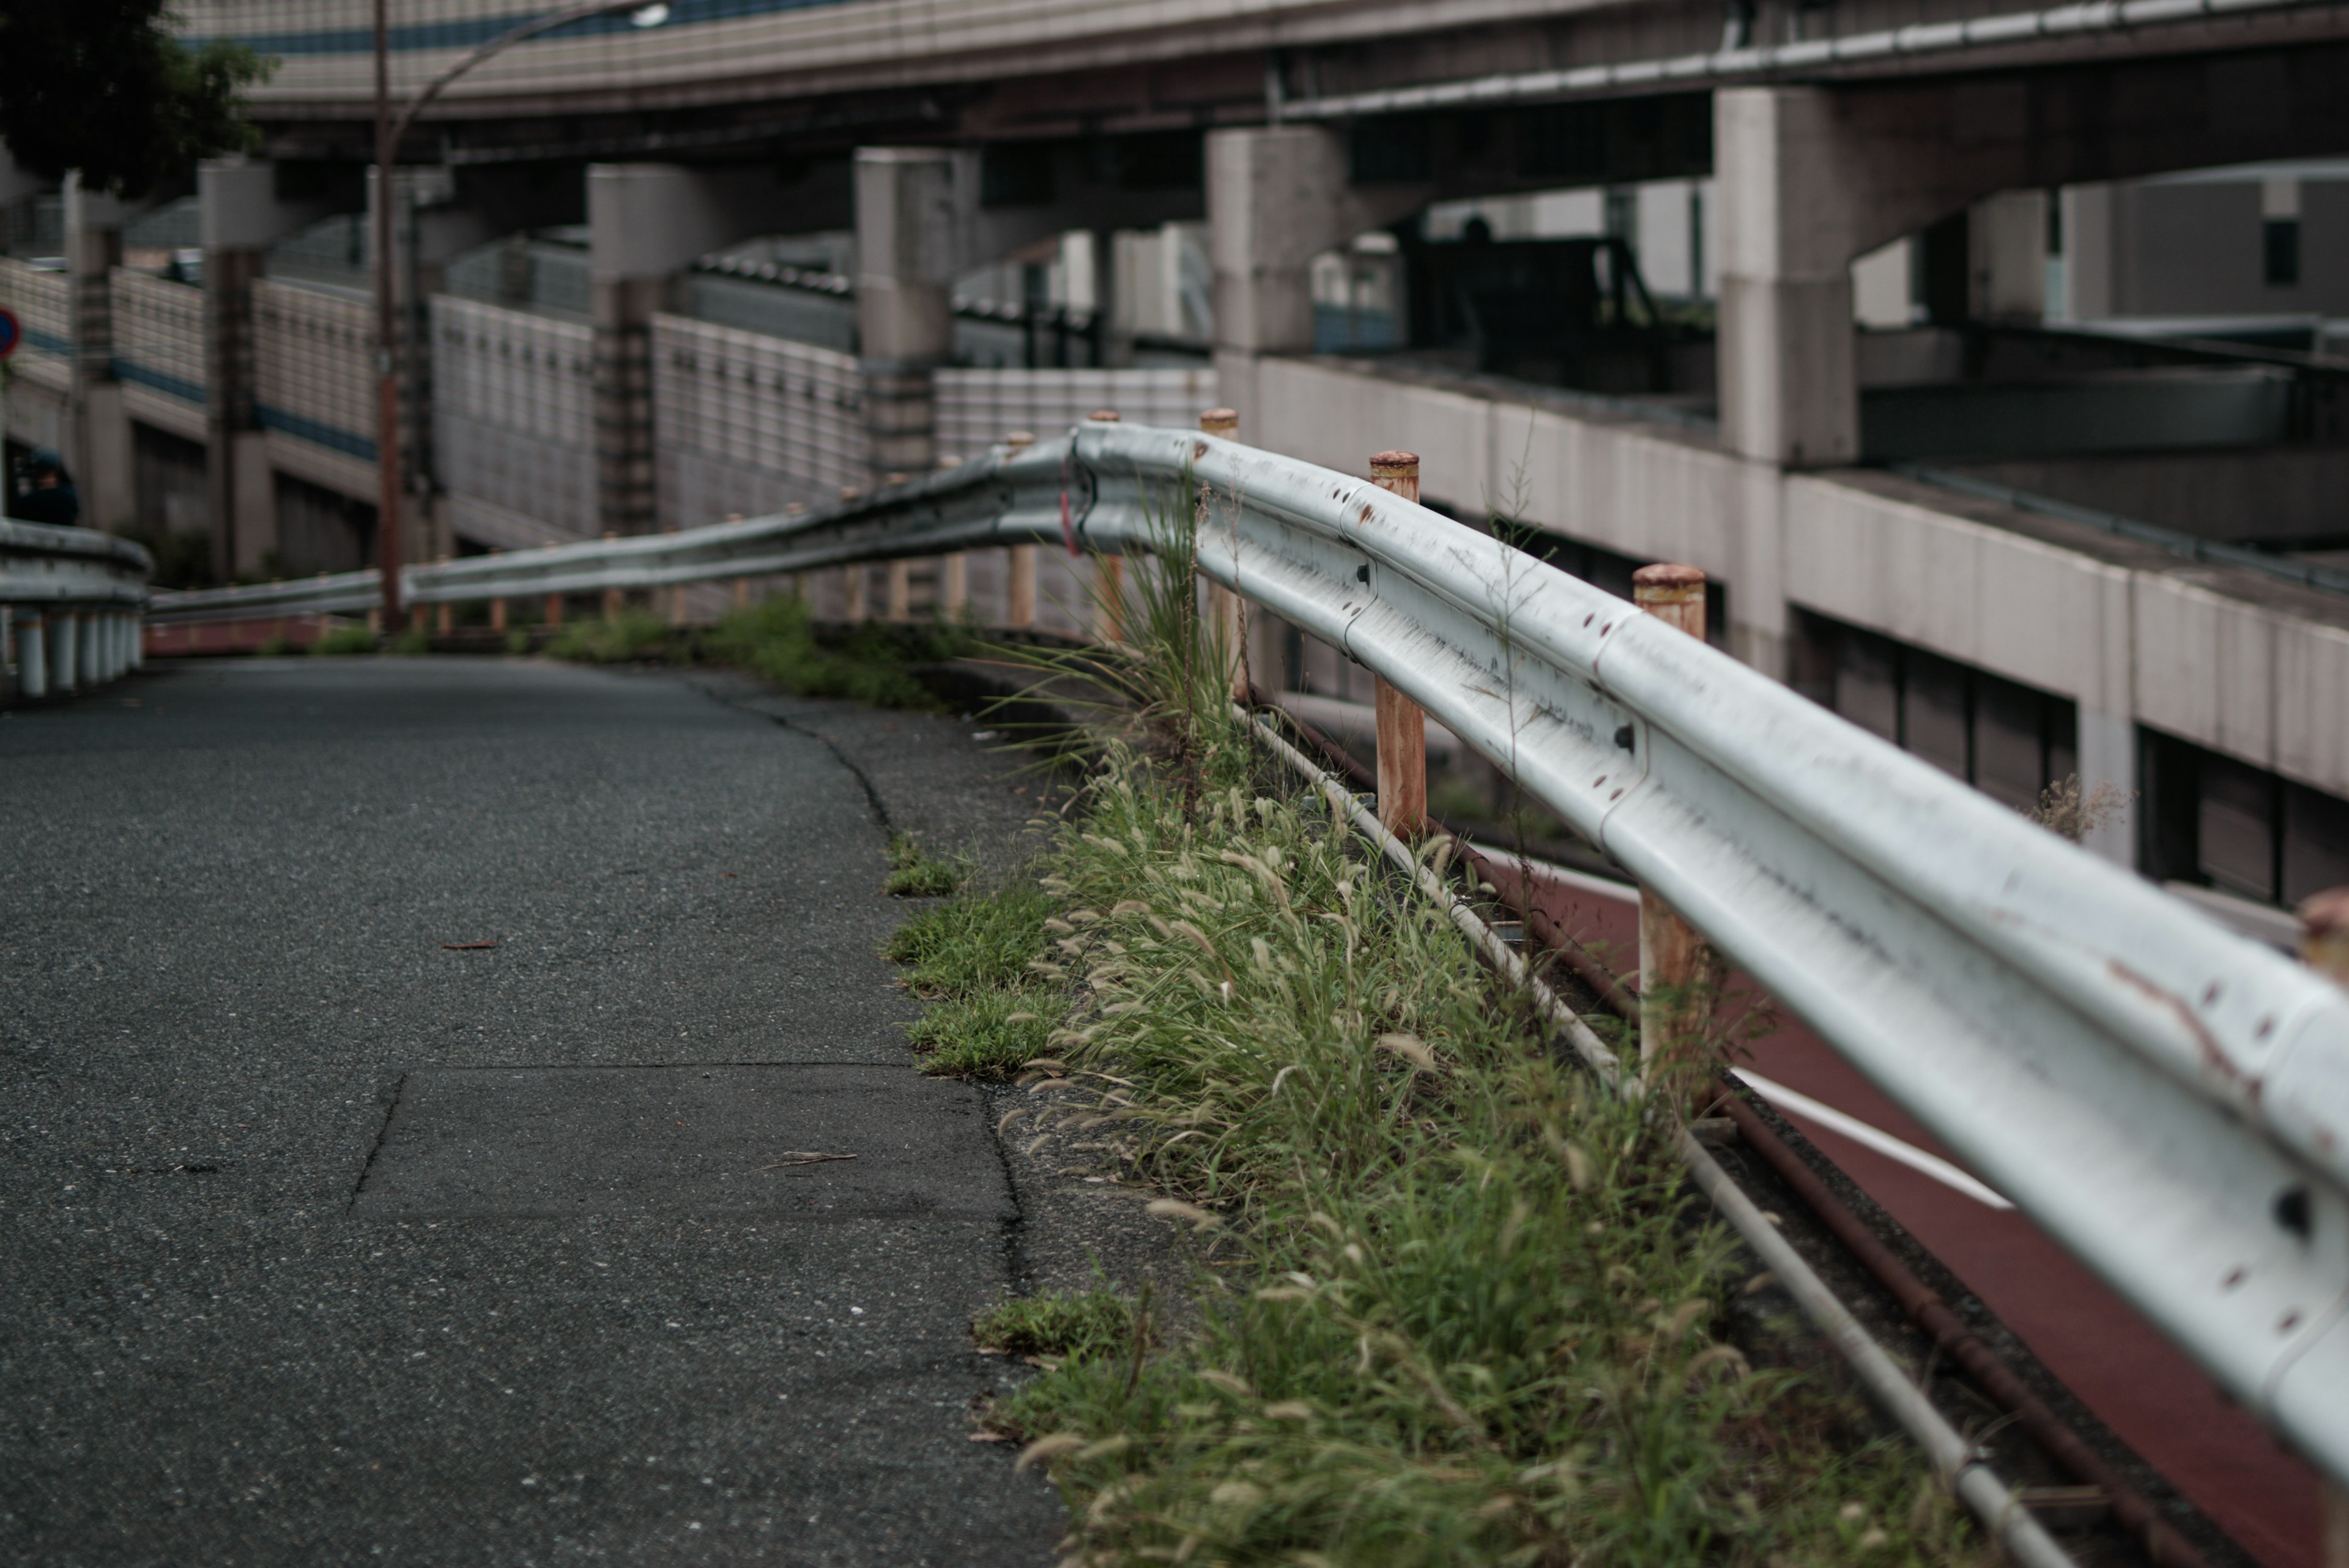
x=242 y=217
x=2006 y=245
x=908 y=244
x=101 y=460
x=647 y=221
x=1273 y=199
x=1789 y=384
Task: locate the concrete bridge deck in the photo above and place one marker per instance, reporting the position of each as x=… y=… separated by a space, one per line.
x=326 y=1241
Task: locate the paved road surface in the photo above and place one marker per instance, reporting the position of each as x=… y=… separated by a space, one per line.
x=322 y=1243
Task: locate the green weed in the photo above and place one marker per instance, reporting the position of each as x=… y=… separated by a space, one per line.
x=776 y=639
x=345 y=639
x=412 y=641
x=990 y=1035
x=632 y=636
x=973 y=945
x=915 y=873
x=1096 y=1322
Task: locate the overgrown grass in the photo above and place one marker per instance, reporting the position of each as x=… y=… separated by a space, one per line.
x=777 y=641
x=627 y=637
x=989 y=1034
x=915 y=873
x=1089 y=1325
x=345 y=639
x=973 y=945
x=1456 y=1304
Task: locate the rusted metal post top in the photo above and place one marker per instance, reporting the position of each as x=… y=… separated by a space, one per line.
x=1394 y=465
x=1219 y=422
x=1102 y=416
x=1673 y=593
x=1019 y=439
x=2325 y=933
x=1666 y=582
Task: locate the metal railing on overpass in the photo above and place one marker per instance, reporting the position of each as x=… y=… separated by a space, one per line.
x=2169 y=1101
x=70 y=604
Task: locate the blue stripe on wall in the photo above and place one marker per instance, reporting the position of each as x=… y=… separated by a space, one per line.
x=324 y=435
x=472 y=31
x=162 y=381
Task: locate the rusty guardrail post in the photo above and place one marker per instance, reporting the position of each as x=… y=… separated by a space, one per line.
x=1020 y=583
x=1226 y=611
x=497 y=607
x=1108 y=585
x=901 y=590
x=2324 y=948
x=1680 y=974
x=1401 y=726
x=954 y=570
x=445 y=617
x=613 y=597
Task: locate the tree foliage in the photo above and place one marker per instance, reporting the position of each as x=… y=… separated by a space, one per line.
x=102 y=86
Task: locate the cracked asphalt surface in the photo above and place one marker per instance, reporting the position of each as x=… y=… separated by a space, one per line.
x=230 y=887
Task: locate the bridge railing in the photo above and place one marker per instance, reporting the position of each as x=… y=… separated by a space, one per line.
x=2167 y=1099
x=70 y=604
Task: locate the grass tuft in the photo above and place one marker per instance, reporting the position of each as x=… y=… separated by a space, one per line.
x=776 y=639
x=991 y=1034
x=1090 y=1324
x=914 y=873
x=972 y=945
x=629 y=638
x=345 y=640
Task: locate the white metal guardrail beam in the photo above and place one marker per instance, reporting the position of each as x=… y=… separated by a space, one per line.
x=2167 y=1099
x=69 y=598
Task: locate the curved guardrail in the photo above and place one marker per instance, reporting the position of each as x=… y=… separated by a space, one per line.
x=2167 y=1099
x=70 y=598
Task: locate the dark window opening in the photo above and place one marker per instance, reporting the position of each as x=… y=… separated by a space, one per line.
x=2007 y=740
x=2280 y=248
x=2221 y=822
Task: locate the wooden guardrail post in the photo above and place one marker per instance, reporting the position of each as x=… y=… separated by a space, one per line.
x=1680 y=974
x=1019 y=583
x=1401 y=726
x=1226 y=611
x=1108 y=585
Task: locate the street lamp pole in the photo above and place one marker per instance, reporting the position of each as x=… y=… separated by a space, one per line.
x=390 y=129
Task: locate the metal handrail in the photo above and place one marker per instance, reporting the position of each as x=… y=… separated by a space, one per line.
x=2168 y=1100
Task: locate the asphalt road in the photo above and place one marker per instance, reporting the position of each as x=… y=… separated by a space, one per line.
x=323 y=1241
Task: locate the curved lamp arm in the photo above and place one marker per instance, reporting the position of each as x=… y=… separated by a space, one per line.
x=503 y=41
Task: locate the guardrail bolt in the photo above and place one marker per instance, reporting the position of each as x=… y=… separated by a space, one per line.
x=1402 y=725
x=1226 y=611
x=1680 y=974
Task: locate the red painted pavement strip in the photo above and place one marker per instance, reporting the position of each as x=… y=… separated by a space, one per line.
x=173 y=640
x=2148 y=1392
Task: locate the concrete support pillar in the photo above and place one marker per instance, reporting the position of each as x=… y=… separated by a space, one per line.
x=2006 y=254
x=1275 y=200
x=1789 y=383
x=101 y=459
x=907 y=246
x=646 y=222
x=241 y=216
